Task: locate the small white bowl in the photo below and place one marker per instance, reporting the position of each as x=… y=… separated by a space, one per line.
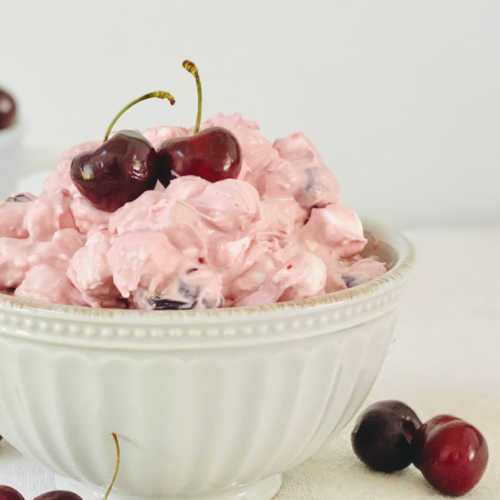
x=212 y=404
x=10 y=158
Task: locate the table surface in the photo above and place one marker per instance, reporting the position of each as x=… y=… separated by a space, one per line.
x=444 y=359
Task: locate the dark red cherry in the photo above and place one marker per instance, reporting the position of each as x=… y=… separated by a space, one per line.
x=418 y=441
x=121 y=169
x=451 y=454
x=8 y=493
x=7 y=109
x=382 y=435
x=213 y=154
x=59 y=495
x=117 y=172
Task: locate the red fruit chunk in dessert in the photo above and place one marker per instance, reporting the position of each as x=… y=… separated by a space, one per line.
x=118 y=172
x=382 y=435
x=451 y=454
x=8 y=493
x=7 y=109
x=213 y=154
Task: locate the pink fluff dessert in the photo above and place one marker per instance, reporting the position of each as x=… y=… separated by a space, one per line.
x=276 y=233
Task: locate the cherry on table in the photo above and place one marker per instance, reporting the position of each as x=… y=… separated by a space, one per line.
x=382 y=435
x=214 y=154
x=8 y=493
x=422 y=433
x=451 y=454
x=59 y=495
x=7 y=109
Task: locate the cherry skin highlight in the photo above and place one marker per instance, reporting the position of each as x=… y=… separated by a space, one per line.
x=7 y=109
x=117 y=172
x=213 y=154
x=8 y=493
x=382 y=435
x=451 y=454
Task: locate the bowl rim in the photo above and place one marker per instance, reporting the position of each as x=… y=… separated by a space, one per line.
x=397 y=274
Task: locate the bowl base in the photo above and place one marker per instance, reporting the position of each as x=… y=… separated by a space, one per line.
x=260 y=490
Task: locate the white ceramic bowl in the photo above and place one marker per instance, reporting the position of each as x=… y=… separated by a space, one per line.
x=10 y=158
x=209 y=404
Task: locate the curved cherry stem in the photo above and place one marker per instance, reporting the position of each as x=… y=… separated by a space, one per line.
x=115 y=438
x=191 y=67
x=159 y=94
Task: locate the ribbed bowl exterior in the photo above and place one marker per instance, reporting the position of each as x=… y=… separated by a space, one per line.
x=199 y=404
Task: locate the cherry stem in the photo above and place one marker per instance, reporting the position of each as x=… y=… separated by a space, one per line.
x=159 y=94
x=115 y=438
x=194 y=71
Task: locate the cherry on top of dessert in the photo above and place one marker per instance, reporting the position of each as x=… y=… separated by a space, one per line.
x=121 y=169
x=214 y=154
x=127 y=165
x=8 y=109
x=117 y=172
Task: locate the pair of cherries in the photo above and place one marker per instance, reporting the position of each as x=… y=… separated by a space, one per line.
x=127 y=165
x=8 y=493
x=451 y=454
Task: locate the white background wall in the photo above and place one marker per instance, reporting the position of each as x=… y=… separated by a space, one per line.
x=402 y=97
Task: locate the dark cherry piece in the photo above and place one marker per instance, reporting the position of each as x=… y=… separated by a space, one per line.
x=382 y=435
x=170 y=305
x=59 y=495
x=21 y=198
x=7 y=109
x=8 y=493
x=451 y=454
x=213 y=154
x=117 y=172
x=189 y=292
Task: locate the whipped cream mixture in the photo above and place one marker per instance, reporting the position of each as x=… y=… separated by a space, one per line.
x=277 y=233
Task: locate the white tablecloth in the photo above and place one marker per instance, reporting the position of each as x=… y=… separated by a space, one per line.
x=445 y=358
